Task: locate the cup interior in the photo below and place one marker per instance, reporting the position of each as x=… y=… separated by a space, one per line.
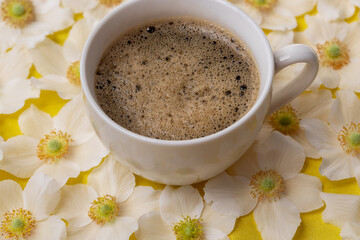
x=136 y=12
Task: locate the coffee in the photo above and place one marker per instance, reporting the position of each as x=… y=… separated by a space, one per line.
x=176 y=79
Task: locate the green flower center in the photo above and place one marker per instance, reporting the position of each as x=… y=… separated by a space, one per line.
x=333 y=54
x=262 y=4
x=189 y=229
x=18 y=9
x=349 y=138
x=333 y=51
x=104 y=209
x=17 y=224
x=355 y=139
x=17 y=13
x=267 y=185
x=54 y=145
x=285 y=120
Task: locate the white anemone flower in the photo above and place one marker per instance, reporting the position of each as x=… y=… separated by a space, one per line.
x=337 y=45
x=60 y=66
x=14 y=87
x=335 y=9
x=95 y=9
x=267 y=179
x=183 y=215
x=338 y=142
x=275 y=14
x=61 y=146
x=27 y=214
x=342 y=210
x=27 y=22
x=109 y=206
x=289 y=120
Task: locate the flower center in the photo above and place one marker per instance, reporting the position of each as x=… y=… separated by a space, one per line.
x=285 y=120
x=110 y=3
x=104 y=209
x=262 y=4
x=53 y=146
x=267 y=185
x=349 y=138
x=189 y=229
x=17 y=224
x=73 y=73
x=333 y=53
x=17 y=13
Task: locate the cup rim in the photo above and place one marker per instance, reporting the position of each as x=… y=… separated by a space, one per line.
x=95 y=106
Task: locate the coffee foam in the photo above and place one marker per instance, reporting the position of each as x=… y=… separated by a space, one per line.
x=176 y=79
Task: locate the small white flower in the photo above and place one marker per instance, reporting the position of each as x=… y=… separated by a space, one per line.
x=183 y=215
x=14 y=87
x=342 y=210
x=338 y=48
x=27 y=22
x=269 y=182
x=275 y=14
x=338 y=142
x=61 y=146
x=95 y=9
x=59 y=65
x=289 y=120
x=109 y=206
x=26 y=214
x=335 y=9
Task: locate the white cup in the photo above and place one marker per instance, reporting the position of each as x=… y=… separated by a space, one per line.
x=189 y=161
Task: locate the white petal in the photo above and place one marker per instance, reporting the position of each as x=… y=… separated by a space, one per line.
x=181 y=202
x=61 y=170
x=336 y=166
x=111 y=177
x=88 y=154
x=142 y=201
x=61 y=85
x=152 y=226
x=310 y=150
x=14 y=64
x=211 y=219
x=79 y=5
x=314 y=104
x=247 y=165
x=355 y=2
x=41 y=195
x=14 y=93
x=120 y=229
x=8 y=37
x=35 y=123
x=75 y=202
x=64 y=18
x=355 y=163
x=43 y=6
x=279 y=39
x=350 y=231
x=78 y=35
x=304 y=191
x=251 y=11
x=319 y=30
x=20 y=158
x=11 y=197
x=49 y=59
x=73 y=119
x=230 y=195
x=97 y=13
x=334 y=9
x=281 y=153
x=88 y=232
x=350 y=76
x=340 y=208
x=345 y=109
x=213 y=234
x=51 y=228
x=33 y=34
x=298 y=7
x=279 y=19
x=328 y=77
x=277 y=220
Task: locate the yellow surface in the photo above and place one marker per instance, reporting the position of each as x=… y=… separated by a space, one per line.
x=312 y=226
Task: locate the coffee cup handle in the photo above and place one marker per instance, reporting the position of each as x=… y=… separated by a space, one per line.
x=296 y=53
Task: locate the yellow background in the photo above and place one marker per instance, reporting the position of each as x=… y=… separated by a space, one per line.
x=312 y=226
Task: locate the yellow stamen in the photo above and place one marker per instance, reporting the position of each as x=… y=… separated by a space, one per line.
x=17 y=13
x=73 y=73
x=349 y=138
x=53 y=146
x=17 y=224
x=333 y=53
x=110 y=3
x=262 y=4
x=104 y=209
x=267 y=185
x=189 y=229
x=285 y=120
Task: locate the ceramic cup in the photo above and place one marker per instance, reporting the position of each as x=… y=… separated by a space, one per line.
x=189 y=161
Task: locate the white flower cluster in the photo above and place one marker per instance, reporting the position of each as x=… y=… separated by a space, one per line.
x=267 y=180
